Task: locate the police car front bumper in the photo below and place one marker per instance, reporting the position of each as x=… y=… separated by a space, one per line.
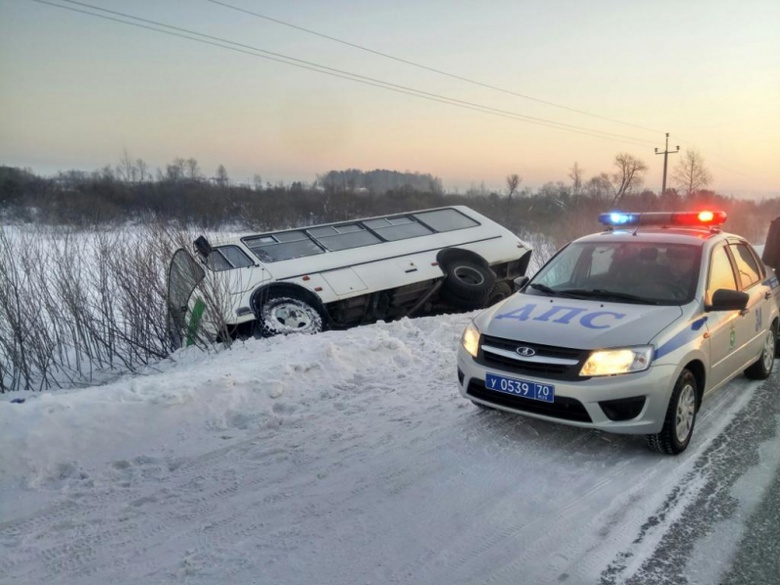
x=628 y=404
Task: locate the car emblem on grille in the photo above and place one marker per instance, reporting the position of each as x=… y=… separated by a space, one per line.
x=526 y=351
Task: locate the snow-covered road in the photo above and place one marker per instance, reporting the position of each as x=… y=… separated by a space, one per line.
x=345 y=458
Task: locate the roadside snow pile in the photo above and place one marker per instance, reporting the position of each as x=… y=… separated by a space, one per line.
x=195 y=397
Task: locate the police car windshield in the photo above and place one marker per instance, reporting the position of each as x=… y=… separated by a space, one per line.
x=633 y=272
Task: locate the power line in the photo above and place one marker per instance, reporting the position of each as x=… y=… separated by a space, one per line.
x=304 y=64
x=427 y=68
x=376 y=82
x=721 y=167
x=451 y=75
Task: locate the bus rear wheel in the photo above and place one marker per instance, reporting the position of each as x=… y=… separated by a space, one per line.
x=467 y=284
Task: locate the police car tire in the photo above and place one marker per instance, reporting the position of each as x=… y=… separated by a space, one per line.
x=286 y=315
x=467 y=284
x=762 y=367
x=667 y=441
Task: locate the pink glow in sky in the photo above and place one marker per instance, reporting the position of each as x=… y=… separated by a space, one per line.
x=77 y=91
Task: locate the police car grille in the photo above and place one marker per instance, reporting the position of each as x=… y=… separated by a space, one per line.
x=563 y=408
x=515 y=363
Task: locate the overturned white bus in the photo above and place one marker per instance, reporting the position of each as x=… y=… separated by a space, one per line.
x=342 y=274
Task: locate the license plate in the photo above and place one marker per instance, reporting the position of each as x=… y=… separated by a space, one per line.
x=523 y=388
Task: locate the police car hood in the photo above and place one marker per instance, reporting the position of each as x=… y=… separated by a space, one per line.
x=582 y=324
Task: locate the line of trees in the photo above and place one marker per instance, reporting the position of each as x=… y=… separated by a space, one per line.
x=181 y=193
x=378 y=181
x=690 y=177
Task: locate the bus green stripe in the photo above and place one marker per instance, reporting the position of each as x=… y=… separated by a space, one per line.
x=195 y=318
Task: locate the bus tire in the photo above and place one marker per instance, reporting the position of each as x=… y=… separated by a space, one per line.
x=286 y=315
x=498 y=293
x=467 y=284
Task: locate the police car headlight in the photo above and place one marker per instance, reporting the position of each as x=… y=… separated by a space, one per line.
x=470 y=340
x=609 y=362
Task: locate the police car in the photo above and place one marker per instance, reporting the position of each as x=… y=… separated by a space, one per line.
x=628 y=330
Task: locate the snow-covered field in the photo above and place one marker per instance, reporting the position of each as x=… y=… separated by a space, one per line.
x=345 y=458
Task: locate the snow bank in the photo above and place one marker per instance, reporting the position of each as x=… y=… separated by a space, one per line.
x=195 y=397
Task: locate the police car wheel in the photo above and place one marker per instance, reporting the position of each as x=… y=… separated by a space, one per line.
x=286 y=315
x=680 y=418
x=762 y=368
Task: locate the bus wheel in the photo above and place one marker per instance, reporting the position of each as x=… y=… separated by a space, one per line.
x=467 y=284
x=498 y=293
x=286 y=315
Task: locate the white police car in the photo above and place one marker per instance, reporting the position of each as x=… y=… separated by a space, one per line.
x=628 y=330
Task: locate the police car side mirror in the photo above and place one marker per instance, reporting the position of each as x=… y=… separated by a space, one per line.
x=520 y=282
x=728 y=300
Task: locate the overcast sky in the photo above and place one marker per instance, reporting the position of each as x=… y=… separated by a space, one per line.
x=76 y=90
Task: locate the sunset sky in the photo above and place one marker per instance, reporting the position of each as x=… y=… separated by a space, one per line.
x=76 y=91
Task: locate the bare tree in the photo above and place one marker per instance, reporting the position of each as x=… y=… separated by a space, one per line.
x=512 y=183
x=181 y=169
x=126 y=170
x=690 y=175
x=575 y=174
x=598 y=187
x=222 y=176
x=192 y=170
x=629 y=175
x=106 y=173
x=175 y=170
x=143 y=170
x=132 y=171
x=257 y=182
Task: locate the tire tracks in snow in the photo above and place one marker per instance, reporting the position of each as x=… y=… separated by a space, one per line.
x=104 y=516
x=662 y=549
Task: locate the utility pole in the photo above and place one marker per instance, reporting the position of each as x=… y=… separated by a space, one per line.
x=666 y=153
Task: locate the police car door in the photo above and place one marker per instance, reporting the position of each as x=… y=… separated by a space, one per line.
x=722 y=325
x=753 y=321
